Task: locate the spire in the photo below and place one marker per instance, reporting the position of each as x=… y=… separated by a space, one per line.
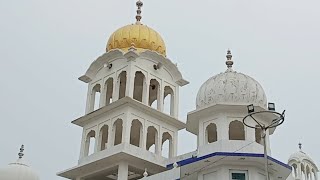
x=300 y=146
x=229 y=61
x=21 y=152
x=138 y=16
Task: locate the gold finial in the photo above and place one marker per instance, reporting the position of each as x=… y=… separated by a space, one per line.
x=229 y=61
x=21 y=152
x=138 y=16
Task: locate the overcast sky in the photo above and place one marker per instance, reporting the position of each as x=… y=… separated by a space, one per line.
x=45 y=45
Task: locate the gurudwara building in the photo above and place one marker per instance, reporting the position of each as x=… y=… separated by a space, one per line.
x=125 y=127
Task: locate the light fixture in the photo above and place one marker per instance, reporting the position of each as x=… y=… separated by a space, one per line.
x=108 y=65
x=157 y=66
x=271 y=106
x=250 y=108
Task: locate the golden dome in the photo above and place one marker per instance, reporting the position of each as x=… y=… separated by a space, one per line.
x=141 y=36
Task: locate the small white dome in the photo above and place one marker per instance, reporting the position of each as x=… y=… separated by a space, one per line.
x=18 y=170
x=231 y=88
x=300 y=156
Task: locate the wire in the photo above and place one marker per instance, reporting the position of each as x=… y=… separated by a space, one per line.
x=203 y=168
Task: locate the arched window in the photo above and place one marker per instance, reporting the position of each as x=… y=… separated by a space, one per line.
x=136 y=133
x=139 y=83
x=117 y=132
x=258 y=134
x=154 y=93
x=122 y=84
x=95 y=97
x=236 y=131
x=152 y=139
x=211 y=133
x=90 y=143
x=294 y=170
x=168 y=100
x=167 y=146
x=109 y=90
x=103 y=137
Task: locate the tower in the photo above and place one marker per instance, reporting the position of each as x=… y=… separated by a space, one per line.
x=303 y=167
x=125 y=124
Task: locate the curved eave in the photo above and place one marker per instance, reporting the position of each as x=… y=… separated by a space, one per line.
x=117 y=54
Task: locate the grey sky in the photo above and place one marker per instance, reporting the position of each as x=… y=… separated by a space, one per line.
x=45 y=45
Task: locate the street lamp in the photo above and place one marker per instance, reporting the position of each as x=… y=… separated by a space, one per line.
x=274 y=123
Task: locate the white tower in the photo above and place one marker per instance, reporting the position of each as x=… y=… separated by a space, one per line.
x=227 y=149
x=303 y=167
x=125 y=125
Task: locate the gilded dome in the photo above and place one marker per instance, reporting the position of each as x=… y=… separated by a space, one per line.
x=138 y=35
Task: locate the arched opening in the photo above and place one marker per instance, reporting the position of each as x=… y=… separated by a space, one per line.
x=308 y=172
x=95 y=97
x=294 y=170
x=258 y=134
x=152 y=139
x=109 y=91
x=167 y=145
x=168 y=100
x=103 y=137
x=122 y=84
x=139 y=83
x=211 y=133
x=136 y=133
x=117 y=132
x=303 y=172
x=236 y=130
x=154 y=93
x=90 y=143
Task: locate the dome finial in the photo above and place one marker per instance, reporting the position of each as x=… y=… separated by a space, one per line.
x=229 y=61
x=138 y=16
x=21 y=152
x=300 y=146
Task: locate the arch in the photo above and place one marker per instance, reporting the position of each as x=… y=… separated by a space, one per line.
x=117 y=132
x=90 y=143
x=168 y=100
x=136 y=133
x=122 y=83
x=139 y=86
x=154 y=95
x=258 y=134
x=294 y=170
x=236 y=130
x=167 y=145
x=95 y=97
x=109 y=90
x=211 y=133
x=103 y=137
x=303 y=172
x=152 y=138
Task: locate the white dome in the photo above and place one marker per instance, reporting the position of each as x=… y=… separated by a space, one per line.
x=18 y=171
x=300 y=156
x=231 y=88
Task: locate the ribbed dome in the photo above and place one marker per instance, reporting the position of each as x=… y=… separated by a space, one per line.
x=18 y=171
x=231 y=88
x=300 y=156
x=140 y=36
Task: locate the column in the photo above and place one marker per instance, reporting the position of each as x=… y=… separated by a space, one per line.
x=144 y=139
x=82 y=144
x=88 y=103
x=299 y=172
x=316 y=175
x=160 y=97
x=126 y=123
x=175 y=144
x=130 y=82
x=110 y=135
x=145 y=93
x=176 y=102
x=103 y=95
x=116 y=87
x=158 y=142
x=123 y=171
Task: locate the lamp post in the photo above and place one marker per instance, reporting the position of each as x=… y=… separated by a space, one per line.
x=274 y=123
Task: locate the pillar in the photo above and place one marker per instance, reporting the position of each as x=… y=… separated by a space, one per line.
x=103 y=95
x=176 y=102
x=160 y=97
x=130 y=82
x=88 y=100
x=123 y=171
